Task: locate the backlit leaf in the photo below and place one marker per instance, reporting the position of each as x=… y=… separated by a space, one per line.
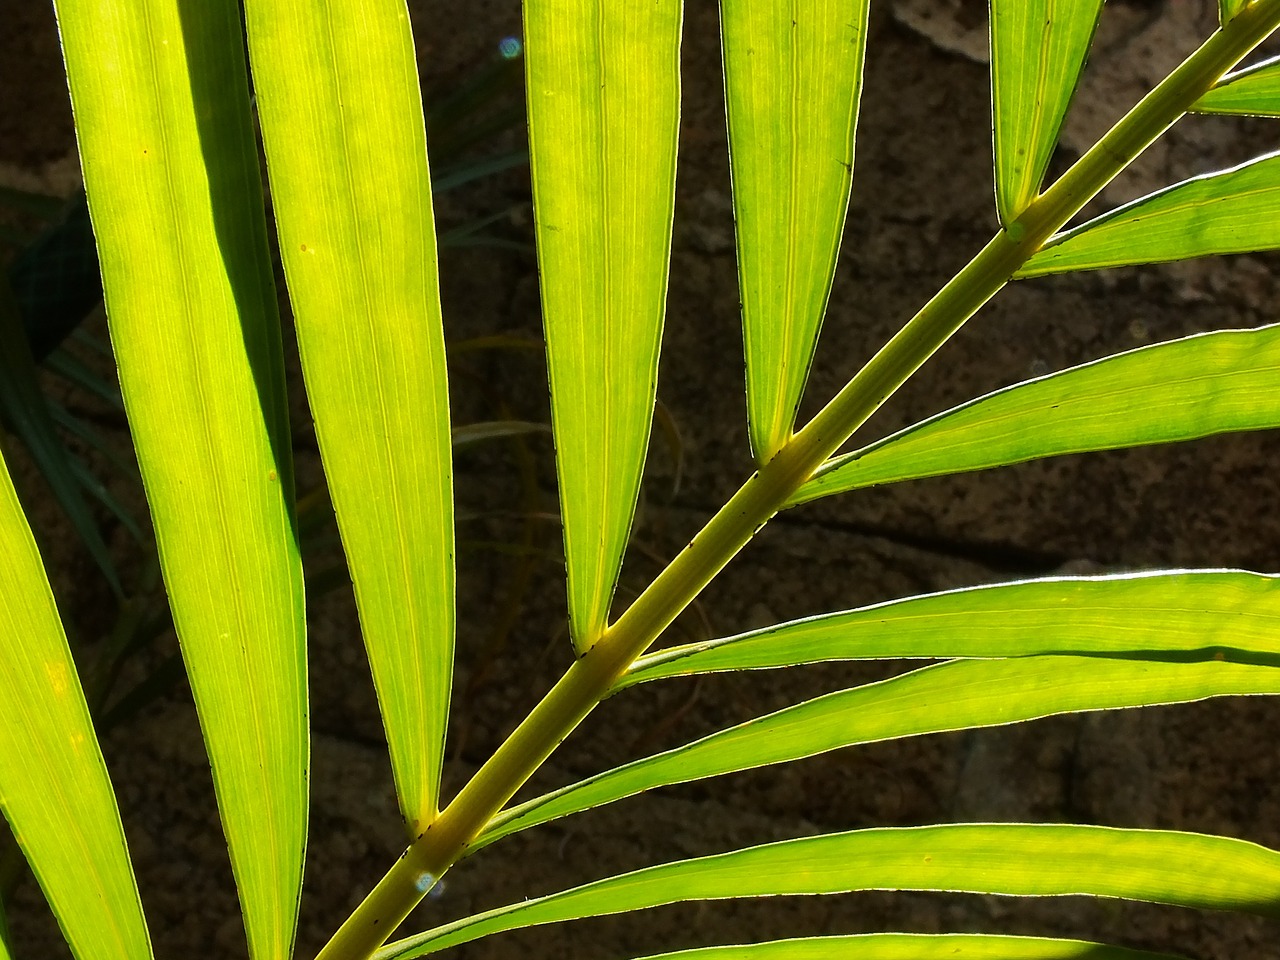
x=1038 y=49
x=1195 y=387
x=54 y=789
x=915 y=946
x=959 y=695
x=1235 y=211
x=1215 y=873
x=604 y=100
x=161 y=104
x=341 y=113
x=793 y=76
x=1251 y=92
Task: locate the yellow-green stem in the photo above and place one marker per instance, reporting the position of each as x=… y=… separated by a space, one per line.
x=592 y=675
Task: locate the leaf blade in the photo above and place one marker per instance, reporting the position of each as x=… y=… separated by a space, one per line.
x=1008 y=859
x=1253 y=92
x=1234 y=211
x=1038 y=49
x=793 y=78
x=1179 y=390
x=54 y=788
x=341 y=115
x=161 y=104
x=603 y=90
x=958 y=695
x=1214 y=610
x=916 y=946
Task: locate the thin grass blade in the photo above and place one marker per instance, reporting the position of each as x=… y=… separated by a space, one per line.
x=1199 y=386
x=341 y=114
x=161 y=102
x=915 y=946
x=793 y=77
x=1215 y=873
x=1038 y=49
x=960 y=695
x=1235 y=211
x=1231 y=612
x=604 y=102
x=54 y=788
x=24 y=407
x=1253 y=92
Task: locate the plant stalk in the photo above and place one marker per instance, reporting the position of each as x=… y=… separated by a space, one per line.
x=591 y=677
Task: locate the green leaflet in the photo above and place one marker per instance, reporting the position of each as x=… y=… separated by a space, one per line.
x=1235 y=211
x=1038 y=49
x=915 y=946
x=1252 y=92
x=1148 y=614
x=959 y=695
x=54 y=789
x=604 y=102
x=793 y=76
x=341 y=113
x=171 y=170
x=1194 y=387
x=1216 y=873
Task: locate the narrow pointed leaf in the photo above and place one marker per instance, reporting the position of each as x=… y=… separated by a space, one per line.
x=1151 y=614
x=1038 y=49
x=161 y=104
x=793 y=77
x=604 y=100
x=1235 y=211
x=341 y=114
x=1215 y=873
x=959 y=695
x=1201 y=385
x=915 y=946
x=54 y=789
x=1253 y=92
x=24 y=408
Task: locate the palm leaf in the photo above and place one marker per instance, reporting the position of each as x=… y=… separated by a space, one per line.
x=1251 y=92
x=162 y=115
x=604 y=95
x=1235 y=211
x=793 y=76
x=1214 y=873
x=915 y=946
x=1148 y=614
x=54 y=789
x=959 y=695
x=1038 y=49
x=1181 y=390
x=341 y=114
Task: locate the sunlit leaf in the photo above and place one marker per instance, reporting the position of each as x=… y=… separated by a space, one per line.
x=915 y=946
x=1235 y=211
x=1195 y=387
x=341 y=113
x=1251 y=92
x=1038 y=48
x=1216 y=873
x=54 y=789
x=793 y=76
x=959 y=695
x=166 y=142
x=604 y=99
x=1148 y=614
